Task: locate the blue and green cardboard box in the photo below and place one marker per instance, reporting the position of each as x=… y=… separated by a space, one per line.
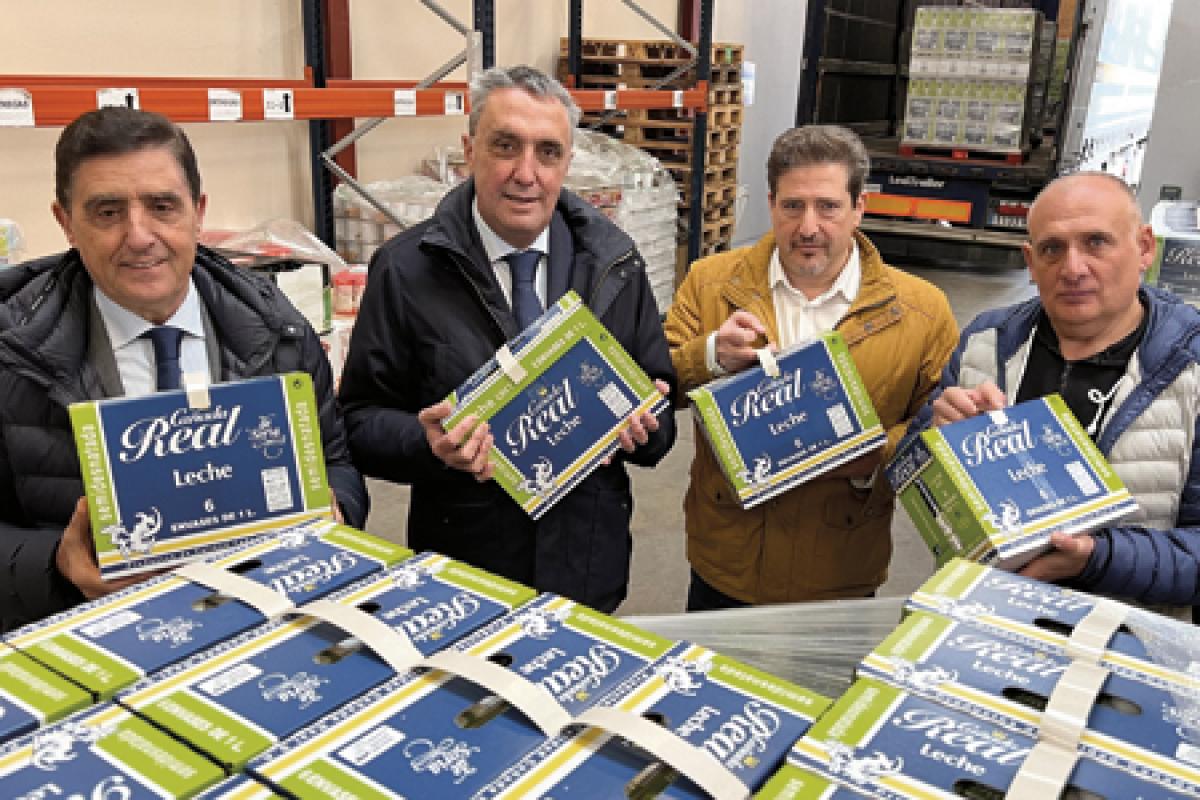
x=992 y=488
x=770 y=433
x=557 y=409
x=168 y=481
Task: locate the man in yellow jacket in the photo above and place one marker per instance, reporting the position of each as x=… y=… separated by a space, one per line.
x=829 y=537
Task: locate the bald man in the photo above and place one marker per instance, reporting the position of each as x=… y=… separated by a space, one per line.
x=1126 y=359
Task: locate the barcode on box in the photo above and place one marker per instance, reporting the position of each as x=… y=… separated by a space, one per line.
x=840 y=420
x=616 y=400
x=367 y=748
x=1082 y=478
x=277 y=489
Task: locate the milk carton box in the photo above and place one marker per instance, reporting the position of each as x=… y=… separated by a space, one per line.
x=235 y=700
x=886 y=743
x=992 y=488
x=731 y=713
x=1176 y=264
x=32 y=695
x=110 y=643
x=1132 y=725
x=170 y=476
x=1145 y=647
x=240 y=787
x=772 y=432
x=556 y=398
x=104 y=753
x=795 y=783
x=435 y=735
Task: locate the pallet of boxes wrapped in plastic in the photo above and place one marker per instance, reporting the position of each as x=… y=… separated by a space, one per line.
x=104 y=752
x=110 y=643
x=235 y=700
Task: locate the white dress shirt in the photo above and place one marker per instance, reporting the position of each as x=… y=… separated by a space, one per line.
x=135 y=356
x=496 y=249
x=797 y=317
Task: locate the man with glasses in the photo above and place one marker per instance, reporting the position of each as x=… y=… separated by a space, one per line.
x=814 y=272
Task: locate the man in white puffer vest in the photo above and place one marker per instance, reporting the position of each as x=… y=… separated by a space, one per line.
x=1126 y=359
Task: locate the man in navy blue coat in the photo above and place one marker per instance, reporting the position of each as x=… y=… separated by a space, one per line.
x=1126 y=359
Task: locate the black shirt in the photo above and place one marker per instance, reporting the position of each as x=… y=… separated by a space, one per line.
x=1087 y=385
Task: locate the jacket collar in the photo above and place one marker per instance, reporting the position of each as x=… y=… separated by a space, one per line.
x=582 y=248
x=46 y=308
x=749 y=287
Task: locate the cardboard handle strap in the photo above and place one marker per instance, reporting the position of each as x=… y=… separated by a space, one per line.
x=196 y=385
x=396 y=649
x=262 y=599
x=1044 y=774
x=1070 y=704
x=509 y=364
x=1090 y=638
x=767 y=359
x=527 y=697
x=695 y=764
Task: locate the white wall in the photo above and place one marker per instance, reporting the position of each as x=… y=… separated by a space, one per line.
x=774 y=37
x=1171 y=154
x=257 y=171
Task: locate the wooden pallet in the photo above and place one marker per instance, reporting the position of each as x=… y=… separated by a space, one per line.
x=964 y=154
x=666 y=134
x=722 y=53
x=719 y=118
x=714 y=175
x=642 y=74
x=714 y=196
x=679 y=154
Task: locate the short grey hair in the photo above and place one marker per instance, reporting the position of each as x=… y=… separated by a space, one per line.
x=525 y=78
x=820 y=144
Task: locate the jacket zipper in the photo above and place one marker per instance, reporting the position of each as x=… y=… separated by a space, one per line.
x=478 y=294
x=604 y=275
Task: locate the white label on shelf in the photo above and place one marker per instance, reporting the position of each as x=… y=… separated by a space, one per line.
x=118 y=97
x=279 y=104
x=405 y=102
x=610 y=100
x=16 y=108
x=224 y=105
x=677 y=98
x=455 y=104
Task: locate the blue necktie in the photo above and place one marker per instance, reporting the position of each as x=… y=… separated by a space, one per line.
x=526 y=306
x=166 y=340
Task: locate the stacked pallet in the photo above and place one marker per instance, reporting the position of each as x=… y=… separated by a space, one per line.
x=668 y=134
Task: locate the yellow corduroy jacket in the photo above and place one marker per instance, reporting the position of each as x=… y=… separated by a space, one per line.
x=825 y=538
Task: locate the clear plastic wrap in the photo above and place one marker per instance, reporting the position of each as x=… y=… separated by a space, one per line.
x=816 y=645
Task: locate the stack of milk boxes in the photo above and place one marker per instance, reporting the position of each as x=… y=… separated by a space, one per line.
x=997 y=685
x=356 y=672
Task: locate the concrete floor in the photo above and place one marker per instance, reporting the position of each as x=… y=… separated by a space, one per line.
x=660 y=570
